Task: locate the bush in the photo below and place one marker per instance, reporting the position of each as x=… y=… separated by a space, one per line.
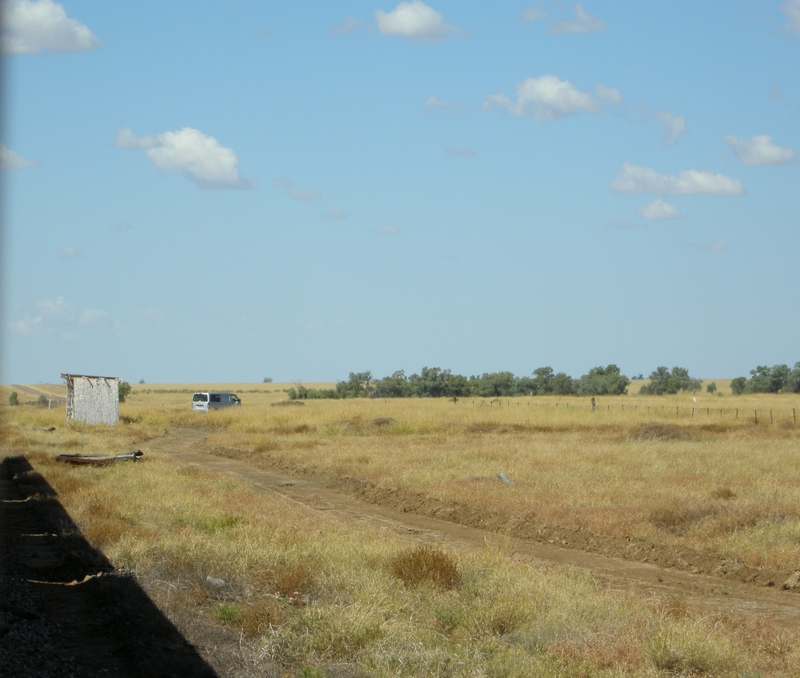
x=426 y=565
x=124 y=390
x=13 y=399
x=712 y=387
x=42 y=400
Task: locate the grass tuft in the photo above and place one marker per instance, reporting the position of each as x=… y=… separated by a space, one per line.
x=426 y=565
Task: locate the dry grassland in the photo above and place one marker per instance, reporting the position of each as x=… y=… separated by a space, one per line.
x=314 y=597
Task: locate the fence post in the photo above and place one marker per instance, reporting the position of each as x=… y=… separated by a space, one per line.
x=693 y=413
x=794 y=414
x=676 y=410
x=755 y=415
x=737 y=413
x=770 y=417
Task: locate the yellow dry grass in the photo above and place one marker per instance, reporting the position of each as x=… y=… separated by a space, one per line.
x=318 y=595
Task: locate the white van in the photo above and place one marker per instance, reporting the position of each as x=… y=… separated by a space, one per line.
x=203 y=402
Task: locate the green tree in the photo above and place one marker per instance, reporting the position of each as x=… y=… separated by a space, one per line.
x=768 y=379
x=603 y=381
x=358 y=385
x=543 y=378
x=124 y=389
x=712 y=387
x=738 y=385
x=395 y=386
x=13 y=399
x=793 y=380
x=663 y=381
x=563 y=384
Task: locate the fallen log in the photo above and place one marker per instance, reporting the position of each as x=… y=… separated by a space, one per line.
x=99 y=459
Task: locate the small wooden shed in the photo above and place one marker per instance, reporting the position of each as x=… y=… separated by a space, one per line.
x=92 y=400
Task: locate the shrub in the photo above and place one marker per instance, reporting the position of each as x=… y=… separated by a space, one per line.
x=425 y=565
x=124 y=390
x=13 y=399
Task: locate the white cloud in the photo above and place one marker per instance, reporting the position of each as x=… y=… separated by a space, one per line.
x=10 y=161
x=30 y=27
x=674 y=126
x=91 y=316
x=416 y=21
x=716 y=246
x=57 y=308
x=792 y=11
x=533 y=14
x=463 y=152
x=334 y=213
x=759 y=150
x=69 y=252
x=304 y=194
x=433 y=102
x=637 y=179
x=29 y=325
x=201 y=158
x=388 y=229
x=658 y=209
x=548 y=98
x=350 y=24
x=582 y=23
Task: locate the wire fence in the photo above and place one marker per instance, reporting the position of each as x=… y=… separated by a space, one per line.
x=755 y=416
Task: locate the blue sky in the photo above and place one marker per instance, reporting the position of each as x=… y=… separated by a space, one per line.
x=221 y=192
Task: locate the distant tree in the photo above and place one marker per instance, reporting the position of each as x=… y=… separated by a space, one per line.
x=662 y=381
x=431 y=382
x=712 y=387
x=738 y=385
x=768 y=379
x=603 y=381
x=396 y=386
x=563 y=384
x=793 y=380
x=358 y=385
x=13 y=399
x=124 y=389
x=267 y=380
x=543 y=379
x=495 y=384
x=42 y=400
x=141 y=381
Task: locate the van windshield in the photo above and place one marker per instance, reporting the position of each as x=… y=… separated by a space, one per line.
x=199 y=398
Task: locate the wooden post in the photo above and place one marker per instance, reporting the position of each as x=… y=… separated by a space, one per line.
x=676 y=410
x=770 y=417
x=755 y=415
x=737 y=412
x=693 y=413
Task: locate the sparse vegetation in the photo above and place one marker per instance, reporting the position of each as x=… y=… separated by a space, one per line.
x=319 y=597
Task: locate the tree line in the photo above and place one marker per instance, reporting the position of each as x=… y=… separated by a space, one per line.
x=435 y=382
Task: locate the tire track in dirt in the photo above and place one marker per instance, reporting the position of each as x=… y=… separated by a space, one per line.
x=702 y=591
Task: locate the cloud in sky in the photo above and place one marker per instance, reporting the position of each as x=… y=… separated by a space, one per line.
x=293 y=191
x=31 y=27
x=334 y=213
x=349 y=24
x=69 y=252
x=201 y=158
x=759 y=150
x=10 y=161
x=674 y=125
x=792 y=11
x=387 y=229
x=658 y=209
x=531 y=14
x=91 y=315
x=433 y=103
x=549 y=98
x=637 y=179
x=582 y=23
x=415 y=21
x=716 y=246
x=463 y=152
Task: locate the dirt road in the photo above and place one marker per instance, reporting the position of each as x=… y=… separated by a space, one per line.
x=702 y=591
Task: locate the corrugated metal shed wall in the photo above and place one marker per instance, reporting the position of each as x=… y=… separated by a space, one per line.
x=93 y=400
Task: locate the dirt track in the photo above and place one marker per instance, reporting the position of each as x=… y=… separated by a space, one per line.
x=703 y=591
